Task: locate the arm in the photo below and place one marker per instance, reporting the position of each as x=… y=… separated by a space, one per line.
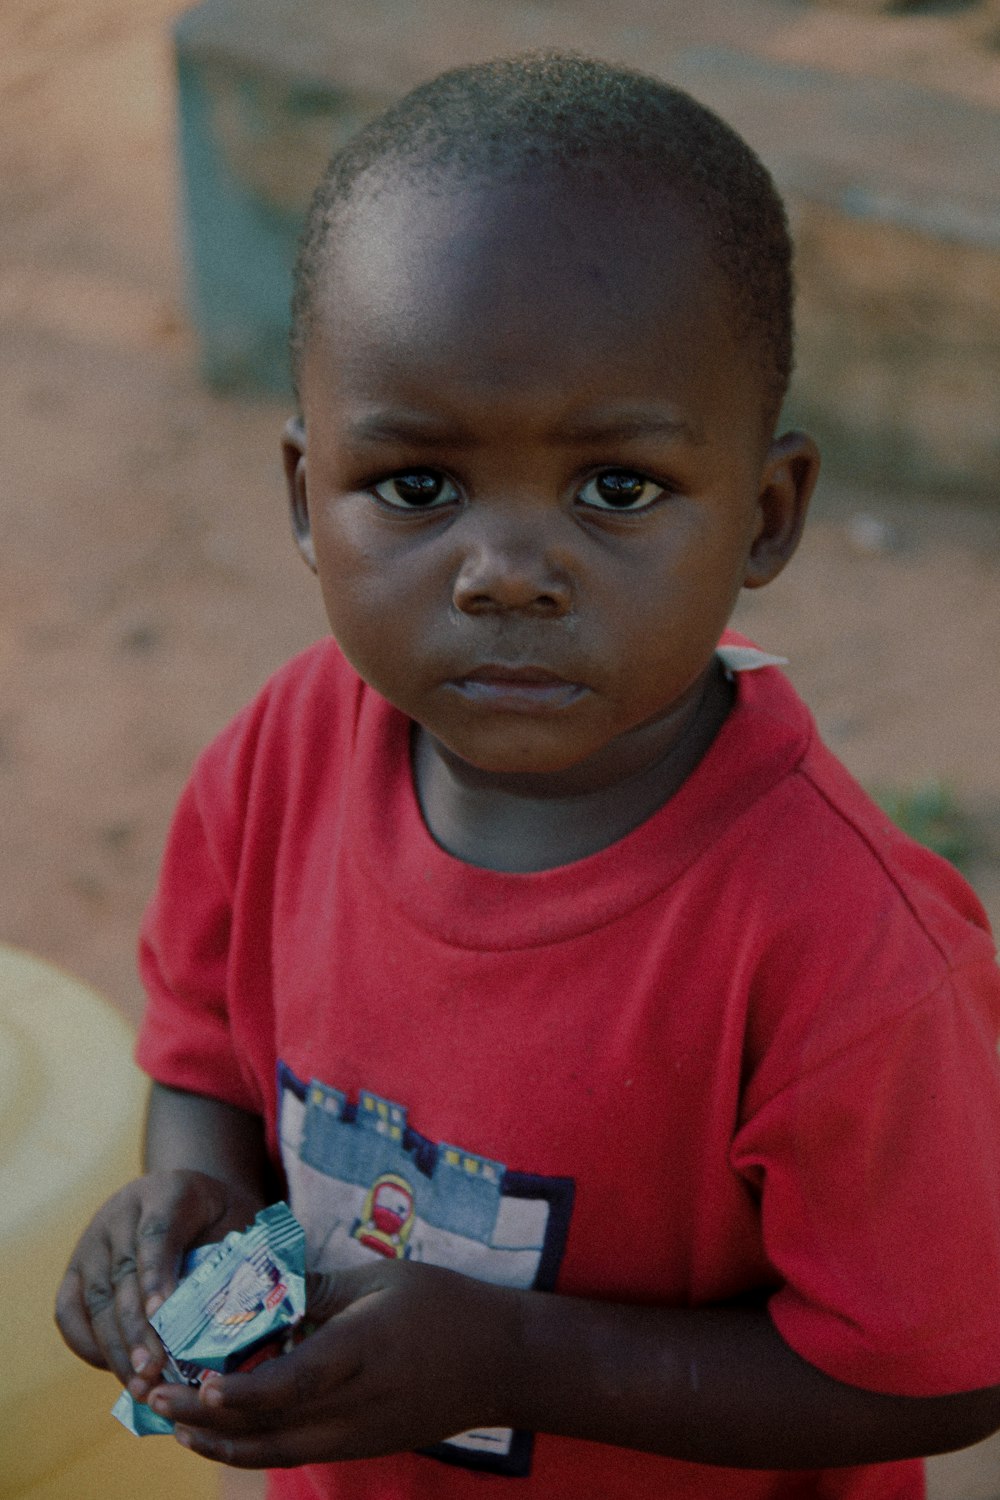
x=713 y=1385
x=190 y=1131
x=721 y=1386
x=206 y=1174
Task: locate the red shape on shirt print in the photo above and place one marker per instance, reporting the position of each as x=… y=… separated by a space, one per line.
x=388 y=1216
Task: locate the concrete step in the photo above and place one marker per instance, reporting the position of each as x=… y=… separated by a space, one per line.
x=893 y=194
x=894 y=198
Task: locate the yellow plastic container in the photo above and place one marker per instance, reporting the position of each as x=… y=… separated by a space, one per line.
x=71 y=1107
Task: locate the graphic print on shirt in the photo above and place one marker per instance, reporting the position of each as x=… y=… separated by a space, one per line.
x=387 y=1217
x=362 y=1181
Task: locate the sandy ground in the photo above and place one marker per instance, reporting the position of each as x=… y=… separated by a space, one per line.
x=147 y=579
x=147 y=584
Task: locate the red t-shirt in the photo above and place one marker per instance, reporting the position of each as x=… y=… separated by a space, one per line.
x=751 y=1047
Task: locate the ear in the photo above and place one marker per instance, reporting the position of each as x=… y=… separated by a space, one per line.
x=787 y=481
x=293 y=454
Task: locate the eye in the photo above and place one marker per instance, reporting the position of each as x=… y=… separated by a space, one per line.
x=620 y=489
x=418 y=489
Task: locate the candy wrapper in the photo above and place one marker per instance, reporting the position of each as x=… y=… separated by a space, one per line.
x=240 y=1301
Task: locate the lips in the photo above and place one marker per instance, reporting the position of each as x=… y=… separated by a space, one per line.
x=517 y=689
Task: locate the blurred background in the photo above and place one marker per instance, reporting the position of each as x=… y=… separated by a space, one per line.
x=153 y=169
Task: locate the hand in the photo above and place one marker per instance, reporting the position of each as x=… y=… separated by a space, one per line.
x=406 y=1354
x=127 y=1263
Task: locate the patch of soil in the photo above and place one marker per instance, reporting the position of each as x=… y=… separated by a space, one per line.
x=148 y=583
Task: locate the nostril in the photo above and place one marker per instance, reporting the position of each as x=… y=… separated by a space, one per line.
x=474 y=604
x=501 y=601
x=499 y=578
x=548 y=604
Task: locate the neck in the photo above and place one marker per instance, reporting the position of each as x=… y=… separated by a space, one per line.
x=529 y=823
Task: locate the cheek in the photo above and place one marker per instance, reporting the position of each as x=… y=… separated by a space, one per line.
x=710 y=572
x=678 y=602
x=348 y=562
x=372 y=611
x=365 y=628
x=346 y=543
x=669 y=626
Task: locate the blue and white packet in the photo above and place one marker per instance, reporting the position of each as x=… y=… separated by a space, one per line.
x=240 y=1301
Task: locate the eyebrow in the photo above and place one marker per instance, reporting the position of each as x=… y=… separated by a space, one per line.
x=624 y=425
x=419 y=430
x=401 y=427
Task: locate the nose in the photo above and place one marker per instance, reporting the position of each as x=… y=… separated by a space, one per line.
x=508 y=566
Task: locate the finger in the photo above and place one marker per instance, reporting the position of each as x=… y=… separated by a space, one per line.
x=163 y=1234
x=74 y=1322
x=313 y=1443
x=99 y=1301
x=146 y=1355
x=182 y=1404
x=328 y=1294
x=114 y=1306
x=104 y=1249
x=175 y=1219
x=313 y=1371
x=87 y=1303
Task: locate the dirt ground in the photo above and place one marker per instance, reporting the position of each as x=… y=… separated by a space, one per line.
x=147 y=584
x=147 y=579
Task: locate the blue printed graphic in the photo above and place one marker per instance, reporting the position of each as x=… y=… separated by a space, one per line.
x=362 y=1181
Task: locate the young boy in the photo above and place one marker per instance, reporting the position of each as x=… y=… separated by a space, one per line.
x=635 y=1081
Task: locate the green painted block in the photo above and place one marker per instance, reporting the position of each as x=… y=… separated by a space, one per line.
x=256 y=128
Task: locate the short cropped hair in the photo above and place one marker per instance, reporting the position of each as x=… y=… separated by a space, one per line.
x=561 y=111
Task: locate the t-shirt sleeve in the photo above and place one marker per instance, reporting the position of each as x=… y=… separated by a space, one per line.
x=878 y=1173
x=185 y=1039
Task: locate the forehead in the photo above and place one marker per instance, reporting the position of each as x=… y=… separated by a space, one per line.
x=560 y=279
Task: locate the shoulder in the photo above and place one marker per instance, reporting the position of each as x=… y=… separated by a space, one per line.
x=820 y=837
x=315 y=692
x=291 y=749
x=853 y=923
x=838 y=855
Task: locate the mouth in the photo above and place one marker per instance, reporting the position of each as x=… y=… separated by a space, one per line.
x=523 y=689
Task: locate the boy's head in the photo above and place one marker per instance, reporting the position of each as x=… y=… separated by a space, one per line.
x=560 y=114
x=542 y=330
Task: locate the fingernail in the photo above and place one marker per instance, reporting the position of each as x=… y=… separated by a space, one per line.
x=153 y=1303
x=211 y=1394
x=158 y=1402
x=140 y=1359
x=183 y=1436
